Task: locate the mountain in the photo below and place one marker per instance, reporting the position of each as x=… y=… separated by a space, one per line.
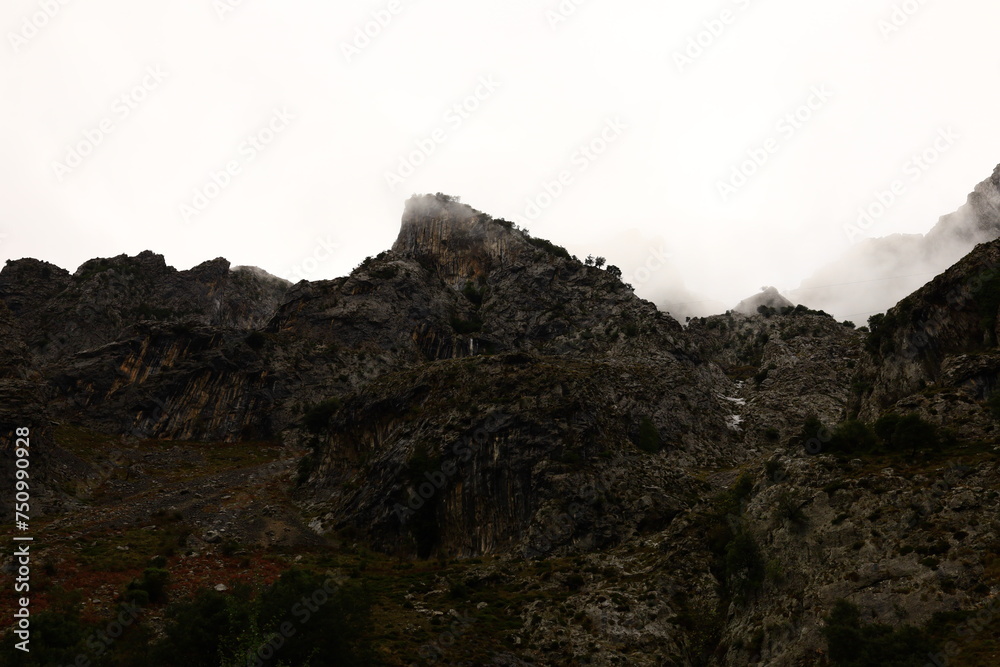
x=875 y=273
x=502 y=456
x=768 y=297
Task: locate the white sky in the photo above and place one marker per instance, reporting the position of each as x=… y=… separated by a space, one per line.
x=322 y=179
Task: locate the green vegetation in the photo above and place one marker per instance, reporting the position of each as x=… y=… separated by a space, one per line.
x=987 y=299
x=151 y=588
x=890 y=434
x=212 y=629
x=466 y=327
x=738 y=562
x=853 y=437
x=318 y=416
x=852 y=643
x=882 y=327
x=648 y=438
x=993 y=405
x=385 y=272
x=790 y=509
x=256 y=340
x=329 y=621
x=745 y=569
x=472 y=293
x=548 y=246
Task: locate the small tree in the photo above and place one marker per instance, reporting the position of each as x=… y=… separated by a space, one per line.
x=589 y=261
x=599 y=262
x=614 y=270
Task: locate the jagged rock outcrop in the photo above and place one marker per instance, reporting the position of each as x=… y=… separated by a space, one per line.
x=943 y=334
x=787 y=367
x=59 y=314
x=769 y=297
x=507 y=440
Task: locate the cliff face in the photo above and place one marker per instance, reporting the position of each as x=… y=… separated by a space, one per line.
x=942 y=335
x=59 y=314
x=478 y=394
x=460 y=242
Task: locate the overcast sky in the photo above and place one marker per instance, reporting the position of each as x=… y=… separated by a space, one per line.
x=268 y=132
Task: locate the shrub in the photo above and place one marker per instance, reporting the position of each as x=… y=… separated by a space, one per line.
x=774 y=469
x=256 y=340
x=548 y=246
x=812 y=428
x=216 y=628
x=790 y=509
x=472 y=294
x=466 y=327
x=57 y=637
x=993 y=404
x=385 y=272
x=318 y=416
x=574 y=582
x=744 y=567
x=853 y=437
x=853 y=644
x=649 y=439
x=907 y=432
x=200 y=632
x=334 y=631
x=152 y=586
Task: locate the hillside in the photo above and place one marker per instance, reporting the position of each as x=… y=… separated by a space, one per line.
x=502 y=456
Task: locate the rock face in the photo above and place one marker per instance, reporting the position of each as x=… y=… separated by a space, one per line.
x=478 y=394
x=58 y=314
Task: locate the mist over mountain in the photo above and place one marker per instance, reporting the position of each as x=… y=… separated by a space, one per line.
x=877 y=272
x=477 y=425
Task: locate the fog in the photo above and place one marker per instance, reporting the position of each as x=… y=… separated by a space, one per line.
x=706 y=150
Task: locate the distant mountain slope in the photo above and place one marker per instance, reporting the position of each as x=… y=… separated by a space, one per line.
x=876 y=273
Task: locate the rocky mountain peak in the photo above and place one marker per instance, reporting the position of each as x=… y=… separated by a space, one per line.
x=464 y=243
x=769 y=296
